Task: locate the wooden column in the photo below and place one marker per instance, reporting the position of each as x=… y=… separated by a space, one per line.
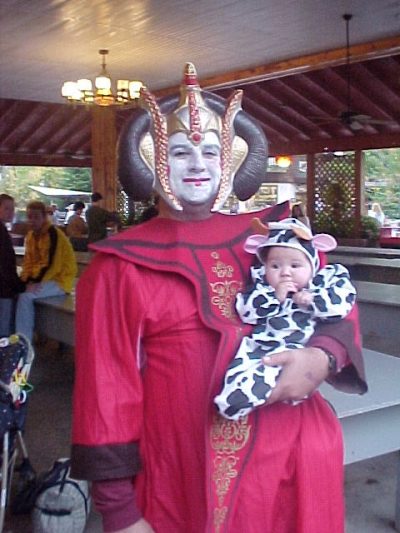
x=104 y=155
x=311 y=187
x=358 y=190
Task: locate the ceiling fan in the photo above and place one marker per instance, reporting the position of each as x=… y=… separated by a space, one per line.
x=349 y=117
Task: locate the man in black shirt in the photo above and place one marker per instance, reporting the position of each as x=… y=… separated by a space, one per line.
x=10 y=284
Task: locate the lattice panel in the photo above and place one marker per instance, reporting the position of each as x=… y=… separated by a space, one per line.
x=335 y=195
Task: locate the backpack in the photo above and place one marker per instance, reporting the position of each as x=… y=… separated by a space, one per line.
x=62 y=504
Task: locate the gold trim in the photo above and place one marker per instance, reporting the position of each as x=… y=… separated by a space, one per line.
x=226 y=292
x=223 y=292
x=219 y=518
x=227 y=438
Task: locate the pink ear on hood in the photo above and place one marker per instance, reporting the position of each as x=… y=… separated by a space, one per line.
x=253 y=242
x=324 y=242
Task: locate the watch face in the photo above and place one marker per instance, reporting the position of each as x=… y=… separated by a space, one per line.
x=332 y=364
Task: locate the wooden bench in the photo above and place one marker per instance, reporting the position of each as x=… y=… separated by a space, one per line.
x=382 y=269
x=379 y=307
x=371 y=422
x=362 y=251
x=55 y=318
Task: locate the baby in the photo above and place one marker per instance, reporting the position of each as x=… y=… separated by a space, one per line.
x=289 y=295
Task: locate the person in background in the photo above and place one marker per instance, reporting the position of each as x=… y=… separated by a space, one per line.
x=10 y=284
x=298 y=212
x=54 y=214
x=49 y=267
x=76 y=226
x=98 y=219
x=152 y=352
x=377 y=213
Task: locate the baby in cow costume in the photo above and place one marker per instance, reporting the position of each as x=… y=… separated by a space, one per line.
x=289 y=295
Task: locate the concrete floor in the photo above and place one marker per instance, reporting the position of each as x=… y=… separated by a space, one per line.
x=369 y=488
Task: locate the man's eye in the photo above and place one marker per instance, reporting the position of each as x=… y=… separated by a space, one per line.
x=179 y=153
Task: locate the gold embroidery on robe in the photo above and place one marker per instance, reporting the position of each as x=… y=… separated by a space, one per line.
x=227 y=438
x=219 y=518
x=224 y=290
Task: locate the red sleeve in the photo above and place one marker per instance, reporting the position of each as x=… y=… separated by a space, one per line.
x=115 y=500
x=334 y=347
x=108 y=394
x=343 y=339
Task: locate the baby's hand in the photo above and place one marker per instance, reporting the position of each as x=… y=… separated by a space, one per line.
x=303 y=298
x=284 y=289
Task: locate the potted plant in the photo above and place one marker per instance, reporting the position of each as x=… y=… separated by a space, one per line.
x=370 y=230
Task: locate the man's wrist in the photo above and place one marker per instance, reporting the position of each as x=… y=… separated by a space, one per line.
x=332 y=362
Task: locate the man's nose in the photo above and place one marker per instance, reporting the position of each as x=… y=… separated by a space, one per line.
x=197 y=161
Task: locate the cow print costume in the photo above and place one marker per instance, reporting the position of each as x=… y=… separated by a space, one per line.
x=248 y=383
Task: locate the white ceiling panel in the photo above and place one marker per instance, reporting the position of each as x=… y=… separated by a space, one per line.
x=46 y=42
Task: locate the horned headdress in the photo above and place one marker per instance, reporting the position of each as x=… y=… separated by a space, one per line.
x=143 y=145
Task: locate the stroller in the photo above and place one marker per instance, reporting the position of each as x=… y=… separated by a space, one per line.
x=16 y=356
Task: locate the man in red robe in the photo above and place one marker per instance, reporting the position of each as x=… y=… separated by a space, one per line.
x=156 y=329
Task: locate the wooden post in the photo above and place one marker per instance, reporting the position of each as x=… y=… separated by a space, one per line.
x=359 y=191
x=104 y=156
x=311 y=187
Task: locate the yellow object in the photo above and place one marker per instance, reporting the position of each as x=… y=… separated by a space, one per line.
x=63 y=269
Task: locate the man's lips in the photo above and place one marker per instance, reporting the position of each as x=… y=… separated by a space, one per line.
x=196 y=181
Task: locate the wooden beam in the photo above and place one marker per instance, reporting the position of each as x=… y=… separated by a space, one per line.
x=331 y=58
x=357 y=142
x=44 y=160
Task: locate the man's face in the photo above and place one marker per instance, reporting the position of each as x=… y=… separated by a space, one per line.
x=7 y=211
x=194 y=170
x=36 y=219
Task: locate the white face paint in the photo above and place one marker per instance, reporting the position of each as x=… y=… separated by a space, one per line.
x=194 y=170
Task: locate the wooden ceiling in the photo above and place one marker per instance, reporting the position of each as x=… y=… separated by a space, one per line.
x=309 y=112
x=299 y=114
x=294 y=79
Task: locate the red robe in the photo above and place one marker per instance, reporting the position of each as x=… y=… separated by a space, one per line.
x=149 y=363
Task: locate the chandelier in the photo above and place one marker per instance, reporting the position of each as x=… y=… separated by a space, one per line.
x=82 y=91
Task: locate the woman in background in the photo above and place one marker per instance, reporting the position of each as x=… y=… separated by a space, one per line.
x=377 y=213
x=299 y=213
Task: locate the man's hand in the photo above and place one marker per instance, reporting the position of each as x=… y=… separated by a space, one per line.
x=142 y=526
x=303 y=371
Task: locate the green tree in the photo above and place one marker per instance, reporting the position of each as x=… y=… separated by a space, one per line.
x=382 y=173
x=16 y=181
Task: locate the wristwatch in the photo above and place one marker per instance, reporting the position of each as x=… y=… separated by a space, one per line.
x=332 y=363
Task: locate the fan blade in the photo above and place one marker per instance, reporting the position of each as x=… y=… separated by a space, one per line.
x=355 y=125
x=360 y=117
x=365 y=119
x=380 y=121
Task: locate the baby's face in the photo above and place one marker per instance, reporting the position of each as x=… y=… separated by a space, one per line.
x=287 y=264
